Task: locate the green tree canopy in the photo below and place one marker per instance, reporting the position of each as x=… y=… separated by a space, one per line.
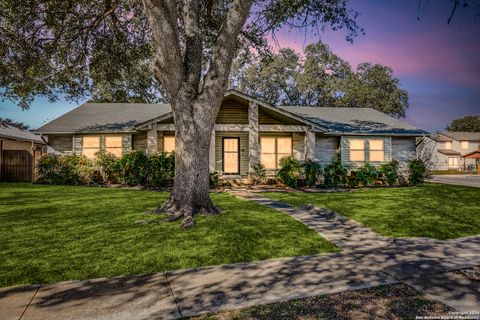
x=19 y=125
x=467 y=123
x=320 y=78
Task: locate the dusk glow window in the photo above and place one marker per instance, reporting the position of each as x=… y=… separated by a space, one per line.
x=91 y=145
x=376 y=150
x=273 y=149
x=357 y=150
x=113 y=144
x=464 y=144
x=168 y=144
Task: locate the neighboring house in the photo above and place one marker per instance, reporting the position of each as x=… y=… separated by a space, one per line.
x=19 y=152
x=247 y=131
x=452 y=150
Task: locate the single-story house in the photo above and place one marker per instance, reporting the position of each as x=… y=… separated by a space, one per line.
x=247 y=131
x=452 y=150
x=20 y=151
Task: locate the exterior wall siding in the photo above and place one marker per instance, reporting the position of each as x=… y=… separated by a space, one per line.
x=60 y=143
x=17 y=145
x=326 y=148
x=244 y=150
x=403 y=148
x=298 y=146
x=232 y=112
x=139 y=141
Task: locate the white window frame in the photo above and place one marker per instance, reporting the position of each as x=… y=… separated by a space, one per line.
x=465 y=144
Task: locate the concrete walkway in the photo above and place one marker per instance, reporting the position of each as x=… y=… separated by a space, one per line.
x=368 y=260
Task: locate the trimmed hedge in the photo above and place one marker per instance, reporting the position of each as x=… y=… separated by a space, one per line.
x=134 y=168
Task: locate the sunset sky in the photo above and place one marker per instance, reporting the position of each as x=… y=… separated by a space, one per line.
x=438 y=64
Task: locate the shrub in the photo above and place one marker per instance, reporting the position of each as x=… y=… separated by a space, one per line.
x=290 y=171
x=313 y=171
x=390 y=172
x=48 y=169
x=161 y=170
x=108 y=166
x=133 y=168
x=335 y=173
x=66 y=169
x=214 y=179
x=417 y=172
x=258 y=173
x=366 y=174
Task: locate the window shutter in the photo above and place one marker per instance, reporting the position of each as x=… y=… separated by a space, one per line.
x=387 y=149
x=102 y=143
x=345 y=154
x=126 y=143
x=77 y=145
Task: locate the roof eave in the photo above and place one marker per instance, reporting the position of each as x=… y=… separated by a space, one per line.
x=340 y=133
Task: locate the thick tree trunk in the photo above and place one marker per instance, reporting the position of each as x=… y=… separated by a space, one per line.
x=191 y=188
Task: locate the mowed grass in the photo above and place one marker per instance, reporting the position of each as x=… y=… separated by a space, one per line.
x=431 y=210
x=56 y=233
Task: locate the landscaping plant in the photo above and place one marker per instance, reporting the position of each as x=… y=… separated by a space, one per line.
x=366 y=175
x=258 y=173
x=290 y=171
x=335 y=173
x=313 y=171
x=417 y=172
x=65 y=169
x=133 y=168
x=108 y=165
x=390 y=172
x=214 y=179
x=161 y=170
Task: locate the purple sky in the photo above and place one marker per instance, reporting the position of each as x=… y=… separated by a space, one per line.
x=438 y=65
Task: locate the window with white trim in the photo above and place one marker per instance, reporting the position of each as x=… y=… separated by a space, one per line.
x=273 y=149
x=448 y=145
x=464 y=144
x=91 y=145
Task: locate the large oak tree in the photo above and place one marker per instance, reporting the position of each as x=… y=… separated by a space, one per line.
x=320 y=79
x=77 y=48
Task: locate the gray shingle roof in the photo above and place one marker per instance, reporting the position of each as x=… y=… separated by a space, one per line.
x=449 y=152
x=465 y=136
x=123 y=117
x=355 y=121
x=104 y=117
x=11 y=132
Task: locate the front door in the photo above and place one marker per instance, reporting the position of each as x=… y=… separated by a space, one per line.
x=231 y=155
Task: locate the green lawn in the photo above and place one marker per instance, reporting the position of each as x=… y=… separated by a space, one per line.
x=55 y=233
x=432 y=210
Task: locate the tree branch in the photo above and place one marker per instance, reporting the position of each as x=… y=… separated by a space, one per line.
x=162 y=17
x=224 y=50
x=193 y=44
